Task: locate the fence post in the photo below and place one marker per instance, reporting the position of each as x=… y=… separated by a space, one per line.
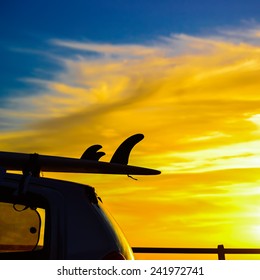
x=221 y=252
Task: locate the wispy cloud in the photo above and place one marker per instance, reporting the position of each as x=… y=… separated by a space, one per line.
x=195 y=98
x=185 y=87
x=120 y=50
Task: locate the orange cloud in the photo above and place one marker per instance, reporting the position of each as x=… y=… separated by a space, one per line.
x=197 y=101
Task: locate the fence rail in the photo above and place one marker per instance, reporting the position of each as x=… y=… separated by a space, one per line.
x=220 y=251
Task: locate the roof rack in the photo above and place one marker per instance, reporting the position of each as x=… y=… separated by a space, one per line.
x=2 y=173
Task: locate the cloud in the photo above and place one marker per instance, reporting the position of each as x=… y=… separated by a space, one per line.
x=120 y=50
x=196 y=99
x=188 y=88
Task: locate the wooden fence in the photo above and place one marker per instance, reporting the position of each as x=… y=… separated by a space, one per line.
x=220 y=251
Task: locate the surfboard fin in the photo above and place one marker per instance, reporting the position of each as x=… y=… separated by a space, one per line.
x=121 y=155
x=92 y=153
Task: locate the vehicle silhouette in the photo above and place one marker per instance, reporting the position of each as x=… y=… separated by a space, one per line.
x=43 y=218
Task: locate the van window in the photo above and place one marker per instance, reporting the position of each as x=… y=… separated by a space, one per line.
x=21 y=228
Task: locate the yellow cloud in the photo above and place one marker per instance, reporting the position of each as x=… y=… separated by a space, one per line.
x=197 y=102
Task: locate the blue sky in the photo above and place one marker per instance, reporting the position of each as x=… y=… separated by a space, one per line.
x=27 y=26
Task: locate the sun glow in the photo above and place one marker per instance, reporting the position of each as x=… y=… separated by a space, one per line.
x=256 y=231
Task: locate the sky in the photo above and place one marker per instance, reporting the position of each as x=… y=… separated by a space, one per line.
x=183 y=73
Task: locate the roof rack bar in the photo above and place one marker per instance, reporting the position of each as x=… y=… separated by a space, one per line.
x=2 y=173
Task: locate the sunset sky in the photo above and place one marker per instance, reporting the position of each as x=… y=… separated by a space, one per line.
x=184 y=73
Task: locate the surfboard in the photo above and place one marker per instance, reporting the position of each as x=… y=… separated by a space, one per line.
x=47 y=163
x=88 y=163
